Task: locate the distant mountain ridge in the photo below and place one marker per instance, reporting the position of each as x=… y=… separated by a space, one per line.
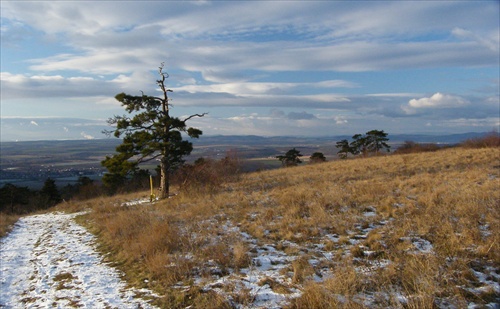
x=295 y=141
x=40 y=128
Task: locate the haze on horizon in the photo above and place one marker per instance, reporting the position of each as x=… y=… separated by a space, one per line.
x=264 y=68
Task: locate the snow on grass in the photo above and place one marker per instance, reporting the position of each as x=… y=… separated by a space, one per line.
x=263 y=284
x=50 y=261
x=419 y=244
x=138 y=201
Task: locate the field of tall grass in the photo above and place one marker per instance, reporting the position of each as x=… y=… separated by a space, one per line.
x=418 y=230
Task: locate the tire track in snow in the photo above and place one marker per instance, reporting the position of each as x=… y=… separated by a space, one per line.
x=50 y=261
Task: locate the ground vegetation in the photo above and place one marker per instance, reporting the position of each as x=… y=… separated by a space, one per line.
x=412 y=230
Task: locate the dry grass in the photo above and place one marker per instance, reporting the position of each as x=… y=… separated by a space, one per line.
x=7 y=222
x=386 y=205
x=491 y=139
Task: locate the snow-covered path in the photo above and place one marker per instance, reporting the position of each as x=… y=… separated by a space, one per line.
x=50 y=261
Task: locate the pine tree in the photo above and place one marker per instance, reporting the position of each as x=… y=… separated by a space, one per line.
x=376 y=141
x=359 y=145
x=291 y=158
x=317 y=157
x=50 y=192
x=344 y=148
x=150 y=134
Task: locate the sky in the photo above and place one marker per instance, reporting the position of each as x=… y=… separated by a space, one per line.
x=269 y=68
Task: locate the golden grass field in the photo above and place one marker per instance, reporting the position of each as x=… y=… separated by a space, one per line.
x=403 y=231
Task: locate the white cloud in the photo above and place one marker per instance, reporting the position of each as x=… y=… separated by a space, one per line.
x=15 y=86
x=47 y=78
x=436 y=101
x=340 y=120
x=13 y=78
x=328 y=98
x=393 y=95
x=259 y=89
x=491 y=42
x=86 y=136
x=484 y=125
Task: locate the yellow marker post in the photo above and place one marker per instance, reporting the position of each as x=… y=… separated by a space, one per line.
x=152 y=196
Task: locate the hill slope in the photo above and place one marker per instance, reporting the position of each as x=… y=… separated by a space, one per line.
x=417 y=230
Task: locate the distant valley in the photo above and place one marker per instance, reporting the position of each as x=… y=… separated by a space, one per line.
x=30 y=163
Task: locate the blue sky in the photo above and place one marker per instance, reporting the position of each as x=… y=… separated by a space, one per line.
x=308 y=68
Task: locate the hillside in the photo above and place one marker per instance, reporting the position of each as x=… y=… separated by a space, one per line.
x=414 y=231
x=30 y=163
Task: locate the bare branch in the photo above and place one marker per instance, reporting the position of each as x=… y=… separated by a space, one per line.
x=195 y=115
x=148 y=158
x=108 y=132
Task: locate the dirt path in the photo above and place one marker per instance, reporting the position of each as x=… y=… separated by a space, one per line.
x=50 y=261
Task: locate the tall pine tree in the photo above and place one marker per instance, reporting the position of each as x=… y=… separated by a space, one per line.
x=150 y=133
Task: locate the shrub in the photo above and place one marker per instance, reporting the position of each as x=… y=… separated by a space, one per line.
x=317 y=157
x=491 y=139
x=207 y=174
x=412 y=147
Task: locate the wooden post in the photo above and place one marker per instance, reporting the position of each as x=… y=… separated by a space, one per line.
x=152 y=196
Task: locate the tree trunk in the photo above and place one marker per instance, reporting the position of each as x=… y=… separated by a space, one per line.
x=164 y=190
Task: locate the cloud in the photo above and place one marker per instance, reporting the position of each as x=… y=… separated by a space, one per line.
x=300 y=116
x=340 y=120
x=303 y=57
x=254 y=88
x=309 y=40
x=276 y=113
x=491 y=42
x=447 y=107
x=436 y=101
x=15 y=86
x=86 y=136
x=50 y=128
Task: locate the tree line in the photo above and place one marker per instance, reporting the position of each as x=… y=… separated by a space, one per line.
x=21 y=200
x=373 y=141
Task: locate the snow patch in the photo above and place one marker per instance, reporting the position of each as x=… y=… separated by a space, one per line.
x=50 y=261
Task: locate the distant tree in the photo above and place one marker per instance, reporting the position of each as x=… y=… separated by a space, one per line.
x=317 y=157
x=50 y=193
x=86 y=188
x=84 y=181
x=412 y=147
x=14 y=199
x=344 y=148
x=291 y=158
x=359 y=145
x=150 y=134
x=376 y=141
x=372 y=141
